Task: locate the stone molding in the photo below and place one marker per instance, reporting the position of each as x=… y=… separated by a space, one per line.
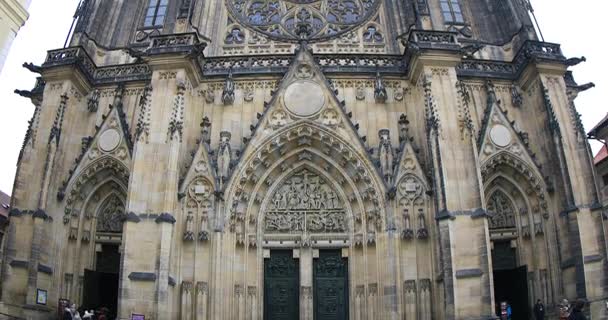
x=15 y=12
x=142 y=276
x=468 y=273
x=165 y=218
x=368 y=64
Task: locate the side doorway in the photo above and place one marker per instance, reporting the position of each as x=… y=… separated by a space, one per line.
x=101 y=285
x=510 y=281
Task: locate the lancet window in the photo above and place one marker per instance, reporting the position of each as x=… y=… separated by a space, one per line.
x=452 y=11
x=155 y=13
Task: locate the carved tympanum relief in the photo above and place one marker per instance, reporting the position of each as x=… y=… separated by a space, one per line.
x=305 y=202
x=502 y=212
x=111 y=215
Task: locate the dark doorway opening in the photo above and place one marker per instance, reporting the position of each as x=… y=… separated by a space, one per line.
x=510 y=281
x=281 y=286
x=330 y=272
x=101 y=284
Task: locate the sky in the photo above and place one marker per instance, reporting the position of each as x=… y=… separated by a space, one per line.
x=574 y=25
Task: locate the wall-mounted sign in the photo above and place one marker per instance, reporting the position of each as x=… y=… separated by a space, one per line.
x=41 y=296
x=135 y=316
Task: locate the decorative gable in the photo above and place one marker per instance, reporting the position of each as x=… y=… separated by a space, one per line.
x=305 y=95
x=111 y=140
x=499 y=135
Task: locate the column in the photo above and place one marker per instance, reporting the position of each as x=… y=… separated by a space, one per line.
x=463 y=228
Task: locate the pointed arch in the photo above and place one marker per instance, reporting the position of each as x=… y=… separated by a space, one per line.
x=106 y=169
x=198 y=205
x=511 y=167
x=306 y=141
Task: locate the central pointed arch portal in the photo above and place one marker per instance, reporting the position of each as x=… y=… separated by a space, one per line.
x=310 y=202
x=306 y=196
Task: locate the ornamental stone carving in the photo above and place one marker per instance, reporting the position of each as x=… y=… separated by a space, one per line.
x=314 y=20
x=111 y=215
x=502 y=212
x=305 y=203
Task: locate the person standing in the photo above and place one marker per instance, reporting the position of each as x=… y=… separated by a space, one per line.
x=577 y=311
x=564 y=310
x=539 y=310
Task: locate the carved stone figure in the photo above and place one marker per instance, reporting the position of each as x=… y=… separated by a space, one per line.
x=502 y=212
x=385 y=150
x=228 y=94
x=407 y=232
x=379 y=89
x=93 y=102
x=110 y=216
x=224 y=156
x=305 y=202
x=423 y=232
x=189 y=228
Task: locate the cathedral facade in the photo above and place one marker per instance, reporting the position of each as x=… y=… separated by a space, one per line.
x=304 y=159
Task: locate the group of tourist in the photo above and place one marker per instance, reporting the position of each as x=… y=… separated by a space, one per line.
x=566 y=311
x=574 y=312
x=73 y=313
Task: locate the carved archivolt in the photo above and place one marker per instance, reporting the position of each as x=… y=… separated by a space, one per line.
x=508 y=165
x=306 y=142
x=104 y=168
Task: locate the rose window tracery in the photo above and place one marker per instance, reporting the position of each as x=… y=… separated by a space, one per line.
x=305 y=203
x=313 y=20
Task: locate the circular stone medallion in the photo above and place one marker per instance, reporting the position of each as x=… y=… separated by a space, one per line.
x=500 y=135
x=304 y=98
x=109 y=140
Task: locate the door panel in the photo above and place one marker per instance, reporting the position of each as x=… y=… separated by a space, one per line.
x=330 y=286
x=281 y=286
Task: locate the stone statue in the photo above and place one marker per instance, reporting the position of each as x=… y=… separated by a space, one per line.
x=189 y=230
x=491 y=93
x=423 y=232
x=385 y=150
x=229 y=88
x=224 y=156
x=379 y=89
x=93 y=102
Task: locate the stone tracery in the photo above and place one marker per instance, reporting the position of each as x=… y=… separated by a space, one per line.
x=314 y=20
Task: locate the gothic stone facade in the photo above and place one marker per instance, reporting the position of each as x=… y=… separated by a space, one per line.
x=310 y=159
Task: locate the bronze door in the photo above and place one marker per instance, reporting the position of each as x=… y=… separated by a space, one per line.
x=281 y=286
x=330 y=273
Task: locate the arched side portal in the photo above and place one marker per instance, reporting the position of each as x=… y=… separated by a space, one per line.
x=94 y=215
x=517 y=203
